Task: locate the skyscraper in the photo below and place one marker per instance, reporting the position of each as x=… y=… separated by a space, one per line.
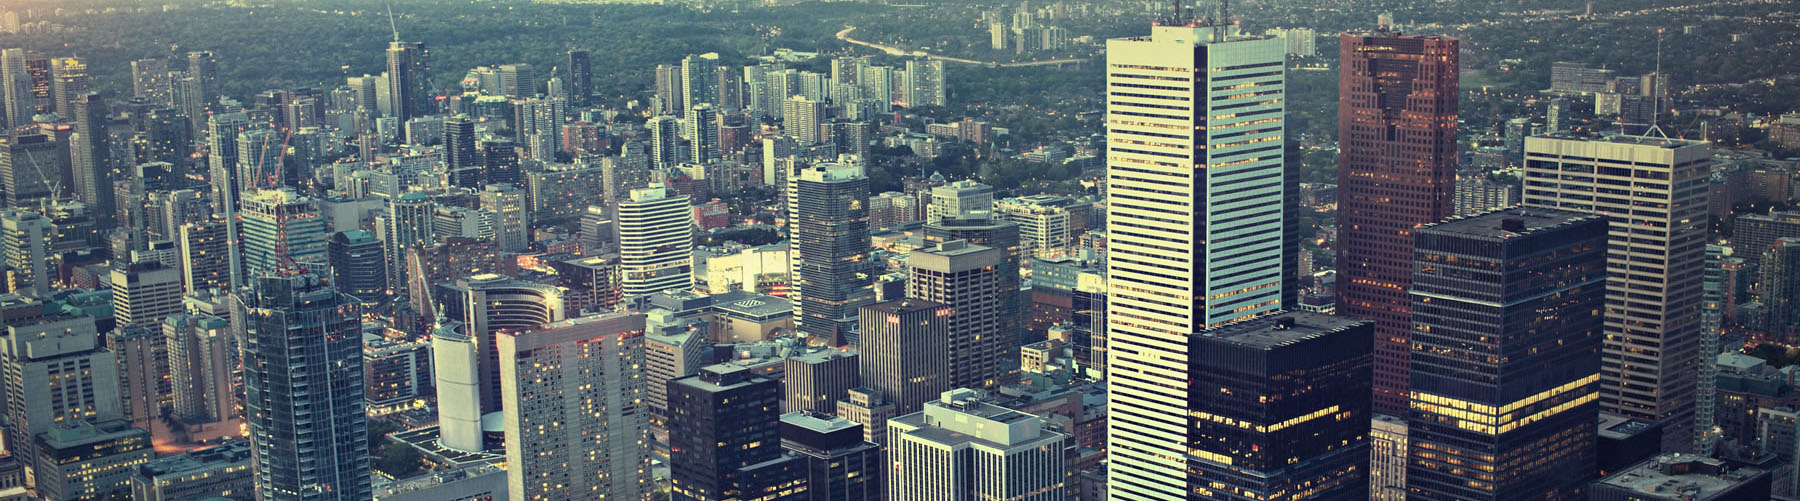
x=68 y=82
x=830 y=228
x=518 y=81
x=1182 y=259
x=205 y=256
x=698 y=82
x=463 y=160
x=200 y=367
x=960 y=199
x=409 y=228
x=960 y=447
x=924 y=83
x=724 y=436
x=1506 y=355
x=802 y=119
x=581 y=77
x=1396 y=170
x=222 y=159
x=839 y=464
x=203 y=68
x=30 y=166
x=512 y=220
x=488 y=304
x=303 y=388
x=15 y=84
x=966 y=278
x=656 y=242
x=408 y=80
x=282 y=229
x=1280 y=407
x=702 y=130
x=902 y=349
x=1652 y=353
x=665 y=140
x=573 y=400
x=1781 y=290
x=25 y=238
x=90 y=152
x=59 y=361
x=145 y=293
x=358 y=264
x=815 y=381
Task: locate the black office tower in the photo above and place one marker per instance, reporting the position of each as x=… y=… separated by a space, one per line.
x=581 y=77
x=359 y=264
x=725 y=439
x=461 y=155
x=1506 y=314
x=839 y=465
x=1278 y=408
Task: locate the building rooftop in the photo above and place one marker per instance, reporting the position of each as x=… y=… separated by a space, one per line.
x=227 y=453
x=1663 y=142
x=1508 y=223
x=1618 y=427
x=903 y=306
x=1692 y=477
x=1281 y=329
x=753 y=305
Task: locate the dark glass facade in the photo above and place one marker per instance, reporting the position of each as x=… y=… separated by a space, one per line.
x=724 y=435
x=1506 y=356
x=831 y=237
x=1396 y=170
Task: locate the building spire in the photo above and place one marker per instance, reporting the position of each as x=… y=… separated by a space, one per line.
x=1656 y=91
x=391 y=25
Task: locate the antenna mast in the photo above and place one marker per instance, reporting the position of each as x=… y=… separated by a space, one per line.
x=1656 y=90
x=391 y=25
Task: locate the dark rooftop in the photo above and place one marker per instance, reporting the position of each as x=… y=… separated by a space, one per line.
x=1282 y=328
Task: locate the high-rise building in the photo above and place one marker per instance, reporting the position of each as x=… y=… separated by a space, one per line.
x=409 y=228
x=924 y=83
x=408 y=74
x=90 y=154
x=1387 y=458
x=150 y=80
x=512 y=220
x=16 y=88
x=581 y=77
x=1781 y=290
x=867 y=407
x=967 y=279
x=701 y=127
x=724 y=437
x=31 y=170
x=1652 y=350
x=488 y=304
x=986 y=231
x=1556 y=115
x=1477 y=193
x=216 y=470
x=960 y=447
x=203 y=68
x=802 y=119
x=656 y=242
x=259 y=153
x=59 y=361
x=698 y=82
x=815 y=381
x=1048 y=224
x=358 y=264
x=1280 y=407
x=200 y=367
x=462 y=159
x=518 y=81
x=839 y=463
x=904 y=352
x=1754 y=234
x=665 y=140
x=572 y=394
x=1180 y=260
x=68 y=82
x=960 y=199
x=84 y=459
x=830 y=243
x=143 y=371
x=281 y=230
x=145 y=293
x=1506 y=355
x=303 y=388
x=25 y=247
x=674 y=348
x=1396 y=170
x=668 y=89
x=205 y=256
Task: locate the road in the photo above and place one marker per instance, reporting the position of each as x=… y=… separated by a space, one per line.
x=896 y=51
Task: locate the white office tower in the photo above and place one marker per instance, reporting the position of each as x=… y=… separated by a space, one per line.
x=453 y=361
x=512 y=219
x=25 y=247
x=573 y=394
x=656 y=242
x=1195 y=214
x=961 y=448
x=1654 y=191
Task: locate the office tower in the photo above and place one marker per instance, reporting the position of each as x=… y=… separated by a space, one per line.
x=839 y=463
x=203 y=67
x=518 y=81
x=68 y=82
x=903 y=351
x=867 y=407
x=1396 y=170
x=1163 y=220
x=1387 y=458
x=59 y=360
x=259 y=153
x=1652 y=329
x=1556 y=115
x=303 y=388
x=802 y=118
x=201 y=353
x=90 y=153
x=16 y=87
x=724 y=436
x=81 y=459
x=222 y=159
x=462 y=159
x=25 y=238
x=668 y=89
x=656 y=242
x=143 y=371
x=168 y=137
x=1754 y=234
x=216 y=470
x=1780 y=291
x=665 y=140
x=595 y=230
x=145 y=293
x=572 y=395
x=675 y=347
x=988 y=232
x=409 y=228
x=408 y=74
x=1513 y=139
x=701 y=127
x=459 y=411
x=581 y=77
x=1048 y=224
x=538 y=125
x=512 y=222
x=282 y=230
x=924 y=83
x=966 y=278
x=830 y=231
x=205 y=260
x=358 y=264
x=1280 y=407
x=1506 y=355
x=40 y=69
x=30 y=166
x=500 y=158
x=150 y=80
x=731 y=90
x=960 y=447
x=486 y=304
x=960 y=199
x=815 y=381
x=698 y=81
